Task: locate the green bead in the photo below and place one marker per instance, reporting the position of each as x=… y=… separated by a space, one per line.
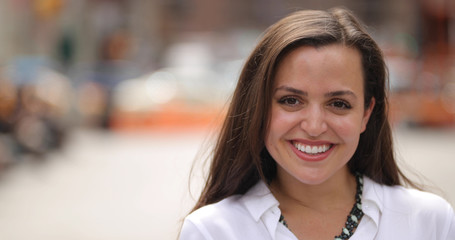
x=354 y=218
x=359 y=206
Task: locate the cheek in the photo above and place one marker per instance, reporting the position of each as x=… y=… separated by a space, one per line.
x=348 y=128
x=280 y=123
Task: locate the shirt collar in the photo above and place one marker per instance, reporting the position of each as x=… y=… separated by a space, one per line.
x=372 y=200
x=260 y=203
x=259 y=200
x=263 y=206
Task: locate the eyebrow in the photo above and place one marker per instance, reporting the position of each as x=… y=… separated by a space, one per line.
x=340 y=93
x=292 y=90
x=303 y=93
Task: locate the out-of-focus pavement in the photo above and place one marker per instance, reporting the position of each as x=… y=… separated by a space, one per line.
x=106 y=185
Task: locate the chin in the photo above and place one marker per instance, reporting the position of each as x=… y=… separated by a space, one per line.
x=312 y=178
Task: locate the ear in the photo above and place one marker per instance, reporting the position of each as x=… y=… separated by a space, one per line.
x=367 y=114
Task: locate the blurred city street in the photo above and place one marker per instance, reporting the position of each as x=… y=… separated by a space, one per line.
x=106 y=185
x=105 y=104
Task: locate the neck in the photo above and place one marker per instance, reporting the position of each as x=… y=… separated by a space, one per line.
x=336 y=192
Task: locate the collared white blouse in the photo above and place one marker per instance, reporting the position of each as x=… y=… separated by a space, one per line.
x=390 y=213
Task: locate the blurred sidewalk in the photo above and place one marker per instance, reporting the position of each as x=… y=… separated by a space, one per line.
x=106 y=185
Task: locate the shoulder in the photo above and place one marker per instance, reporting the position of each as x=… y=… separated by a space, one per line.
x=227 y=208
x=235 y=217
x=211 y=221
x=413 y=212
x=402 y=199
x=414 y=201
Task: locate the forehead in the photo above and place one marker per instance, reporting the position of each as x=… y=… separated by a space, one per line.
x=330 y=66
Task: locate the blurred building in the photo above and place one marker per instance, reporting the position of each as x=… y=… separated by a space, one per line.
x=77 y=31
x=108 y=51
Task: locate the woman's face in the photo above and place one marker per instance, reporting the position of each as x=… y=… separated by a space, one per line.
x=317 y=112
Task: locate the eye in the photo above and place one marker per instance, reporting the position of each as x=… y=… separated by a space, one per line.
x=289 y=101
x=340 y=104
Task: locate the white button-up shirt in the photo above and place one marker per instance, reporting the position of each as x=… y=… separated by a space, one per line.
x=390 y=213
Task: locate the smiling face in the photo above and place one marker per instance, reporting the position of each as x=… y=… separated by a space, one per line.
x=317 y=112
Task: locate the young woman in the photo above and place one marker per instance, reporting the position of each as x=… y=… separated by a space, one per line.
x=305 y=151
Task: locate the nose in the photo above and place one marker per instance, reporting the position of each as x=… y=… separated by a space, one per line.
x=313 y=121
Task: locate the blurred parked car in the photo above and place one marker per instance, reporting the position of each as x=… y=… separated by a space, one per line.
x=35 y=103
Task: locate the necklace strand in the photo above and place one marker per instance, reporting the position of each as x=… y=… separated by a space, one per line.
x=354 y=216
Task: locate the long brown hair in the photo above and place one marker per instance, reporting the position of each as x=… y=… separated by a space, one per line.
x=240 y=158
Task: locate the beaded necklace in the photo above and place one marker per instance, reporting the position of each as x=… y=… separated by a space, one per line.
x=354 y=216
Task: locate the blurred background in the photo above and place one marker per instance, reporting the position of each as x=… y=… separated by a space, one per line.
x=105 y=104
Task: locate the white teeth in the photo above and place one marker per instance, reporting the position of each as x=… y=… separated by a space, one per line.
x=312 y=149
x=308 y=149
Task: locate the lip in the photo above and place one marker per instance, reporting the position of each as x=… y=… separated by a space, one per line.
x=311 y=157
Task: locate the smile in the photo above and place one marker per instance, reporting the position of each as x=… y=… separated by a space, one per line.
x=312 y=149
